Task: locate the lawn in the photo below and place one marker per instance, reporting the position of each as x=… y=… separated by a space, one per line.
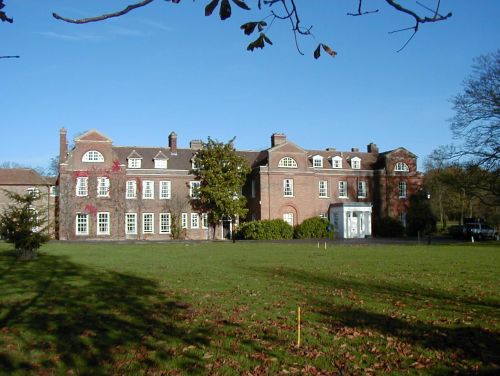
x=223 y=308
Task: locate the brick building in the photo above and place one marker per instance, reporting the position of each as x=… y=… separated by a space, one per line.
x=27 y=180
x=116 y=192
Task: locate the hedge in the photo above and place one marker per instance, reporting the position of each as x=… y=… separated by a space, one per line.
x=275 y=229
x=314 y=228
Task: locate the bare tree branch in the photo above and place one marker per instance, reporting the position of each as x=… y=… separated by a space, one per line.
x=360 y=11
x=10 y=57
x=104 y=16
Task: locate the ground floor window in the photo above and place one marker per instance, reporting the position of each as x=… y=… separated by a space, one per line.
x=82 y=224
x=204 y=220
x=402 y=219
x=164 y=223
x=131 y=223
x=288 y=218
x=184 y=220
x=147 y=223
x=102 y=223
x=195 y=220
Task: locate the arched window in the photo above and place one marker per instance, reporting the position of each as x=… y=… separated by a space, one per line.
x=92 y=156
x=287 y=162
x=400 y=166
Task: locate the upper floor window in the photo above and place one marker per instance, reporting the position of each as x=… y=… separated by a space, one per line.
x=343 y=189
x=362 y=189
x=148 y=189
x=337 y=162
x=92 y=156
x=323 y=188
x=54 y=191
x=165 y=190
x=401 y=166
x=287 y=162
x=103 y=187
x=82 y=186
x=402 y=189
x=287 y=187
x=318 y=161
x=194 y=189
x=134 y=162
x=35 y=192
x=131 y=191
x=355 y=163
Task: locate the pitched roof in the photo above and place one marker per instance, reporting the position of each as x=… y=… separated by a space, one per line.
x=20 y=176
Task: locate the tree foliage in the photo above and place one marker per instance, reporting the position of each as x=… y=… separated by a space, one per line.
x=222 y=174
x=22 y=225
x=477 y=114
x=420 y=218
x=271 y=11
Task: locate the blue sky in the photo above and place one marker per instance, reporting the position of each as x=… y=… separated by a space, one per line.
x=167 y=67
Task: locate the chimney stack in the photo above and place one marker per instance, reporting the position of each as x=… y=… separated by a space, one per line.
x=372 y=148
x=355 y=150
x=196 y=144
x=63 y=145
x=277 y=139
x=172 y=143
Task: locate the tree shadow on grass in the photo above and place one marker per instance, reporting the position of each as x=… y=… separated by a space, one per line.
x=56 y=315
x=470 y=343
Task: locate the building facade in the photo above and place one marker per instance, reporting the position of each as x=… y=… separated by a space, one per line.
x=116 y=192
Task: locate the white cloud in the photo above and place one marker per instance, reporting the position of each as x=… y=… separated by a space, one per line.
x=70 y=37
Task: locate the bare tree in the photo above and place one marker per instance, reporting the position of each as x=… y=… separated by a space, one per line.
x=176 y=205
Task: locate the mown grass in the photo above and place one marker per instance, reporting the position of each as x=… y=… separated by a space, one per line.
x=222 y=308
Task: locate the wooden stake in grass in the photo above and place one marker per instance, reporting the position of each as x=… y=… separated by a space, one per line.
x=298 y=327
x=325 y=245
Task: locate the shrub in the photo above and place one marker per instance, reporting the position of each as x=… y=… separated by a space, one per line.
x=275 y=229
x=313 y=228
x=388 y=227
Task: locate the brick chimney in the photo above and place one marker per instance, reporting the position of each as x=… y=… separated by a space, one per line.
x=196 y=144
x=172 y=143
x=277 y=139
x=372 y=148
x=63 y=145
x=355 y=150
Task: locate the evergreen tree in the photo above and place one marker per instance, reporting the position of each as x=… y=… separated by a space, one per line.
x=23 y=226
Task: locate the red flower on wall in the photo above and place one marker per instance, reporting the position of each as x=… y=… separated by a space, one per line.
x=80 y=174
x=116 y=166
x=90 y=209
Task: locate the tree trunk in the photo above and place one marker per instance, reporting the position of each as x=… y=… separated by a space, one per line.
x=26 y=254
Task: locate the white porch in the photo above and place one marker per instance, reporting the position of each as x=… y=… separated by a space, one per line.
x=351 y=219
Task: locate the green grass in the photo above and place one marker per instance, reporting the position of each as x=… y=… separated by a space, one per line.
x=222 y=308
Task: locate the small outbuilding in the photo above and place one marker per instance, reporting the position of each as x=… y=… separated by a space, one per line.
x=351 y=219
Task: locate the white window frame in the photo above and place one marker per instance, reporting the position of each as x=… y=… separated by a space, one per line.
x=362 y=193
x=184 y=220
x=323 y=188
x=131 y=189
x=287 y=162
x=103 y=186
x=337 y=162
x=93 y=156
x=401 y=167
x=129 y=229
x=356 y=163
x=148 y=189
x=134 y=162
x=403 y=189
x=160 y=163
x=193 y=184
x=288 y=218
x=195 y=220
x=103 y=219
x=165 y=223
x=323 y=215
x=54 y=191
x=204 y=221
x=318 y=161
x=343 y=189
x=35 y=192
x=82 y=186
x=165 y=189
x=287 y=187
x=149 y=230
x=81 y=219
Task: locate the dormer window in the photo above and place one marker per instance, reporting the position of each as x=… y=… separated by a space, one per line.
x=195 y=164
x=287 y=162
x=337 y=162
x=356 y=163
x=318 y=161
x=92 y=156
x=134 y=162
x=160 y=163
x=401 y=167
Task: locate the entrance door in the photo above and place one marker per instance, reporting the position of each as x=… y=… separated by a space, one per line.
x=226 y=228
x=353 y=226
